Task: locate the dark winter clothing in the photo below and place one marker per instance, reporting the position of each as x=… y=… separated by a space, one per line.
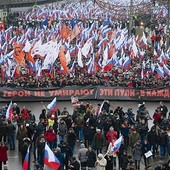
x=91 y=158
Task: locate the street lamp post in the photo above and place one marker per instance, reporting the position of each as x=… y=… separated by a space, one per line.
x=131 y=16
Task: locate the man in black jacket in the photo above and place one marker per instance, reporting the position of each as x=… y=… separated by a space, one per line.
x=91 y=158
x=74 y=164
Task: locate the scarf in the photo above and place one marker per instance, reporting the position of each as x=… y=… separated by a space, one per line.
x=98 y=135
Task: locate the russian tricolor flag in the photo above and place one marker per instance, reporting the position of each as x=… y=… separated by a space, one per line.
x=49 y=158
x=100 y=109
x=26 y=160
x=9 y=112
x=116 y=145
x=160 y=72
x=53 y=106
x=126 y=64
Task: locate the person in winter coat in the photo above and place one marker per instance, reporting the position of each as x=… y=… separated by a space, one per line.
x=156 y=116
x=50 y=137
x=163 y=142
x=25 y=114
x=123 y=161
x=131 y=164
x=82 y=156
x=143 y=129
x=62 y=130
x=137 y=154
x=3 y=131
x=111 y=156
x=145 y=149
x=74 y=164
x=71 y=139
x=79 y=127
x=98 y=141
x=11 y=135
x=125 y=133
x=43 y=115
x=32 y=117
x=51 y=120
x=133 y=138
x=66 y=150
x=16 y=109
x=101 y=162
x=25 y=144
x=91 y=158
x=60 y=157
x=21 y=134
x=86 y=132
x=3 y=154
x=111 y=135
x=152 y=139
x=40 y=150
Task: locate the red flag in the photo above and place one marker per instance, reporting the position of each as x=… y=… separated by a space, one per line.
x=65 y=32
x=63 y=61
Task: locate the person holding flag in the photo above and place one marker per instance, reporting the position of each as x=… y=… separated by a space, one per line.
x=26 y=160
x=110 y=155
x=50 y=159
x=9 y=112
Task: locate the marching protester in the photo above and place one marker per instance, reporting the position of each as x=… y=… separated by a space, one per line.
x=143 y=144
x=98 y=141
x=21 y=134
x=101 y=162
x=74 y=164
x=137 y=154
x=3 y=154
x=82 y=156
x=11 y=135
x=91 y=158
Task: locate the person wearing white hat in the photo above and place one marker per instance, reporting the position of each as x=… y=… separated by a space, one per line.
x=101 y=162
x=98 y=141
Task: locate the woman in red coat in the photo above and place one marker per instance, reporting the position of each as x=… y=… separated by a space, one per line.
x=3 y=154
x=111 y=135
x=50 y=137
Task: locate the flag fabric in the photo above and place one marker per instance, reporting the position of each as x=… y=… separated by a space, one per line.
x=101 y=107
x=65 y=32
x=9 y=112
x=109 y=65
x=79 y=59
x=160 y=72
x=53 y=106
x=26 y=160
x=50 y=159
x=126 y=64
x=16 y=72
x=75 y=32
x=63 y=61
x=166 y=70
x=116 y=145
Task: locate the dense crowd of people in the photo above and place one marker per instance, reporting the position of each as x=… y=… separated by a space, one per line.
x=103 y=51
x=80 y=44
x=94 y=131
